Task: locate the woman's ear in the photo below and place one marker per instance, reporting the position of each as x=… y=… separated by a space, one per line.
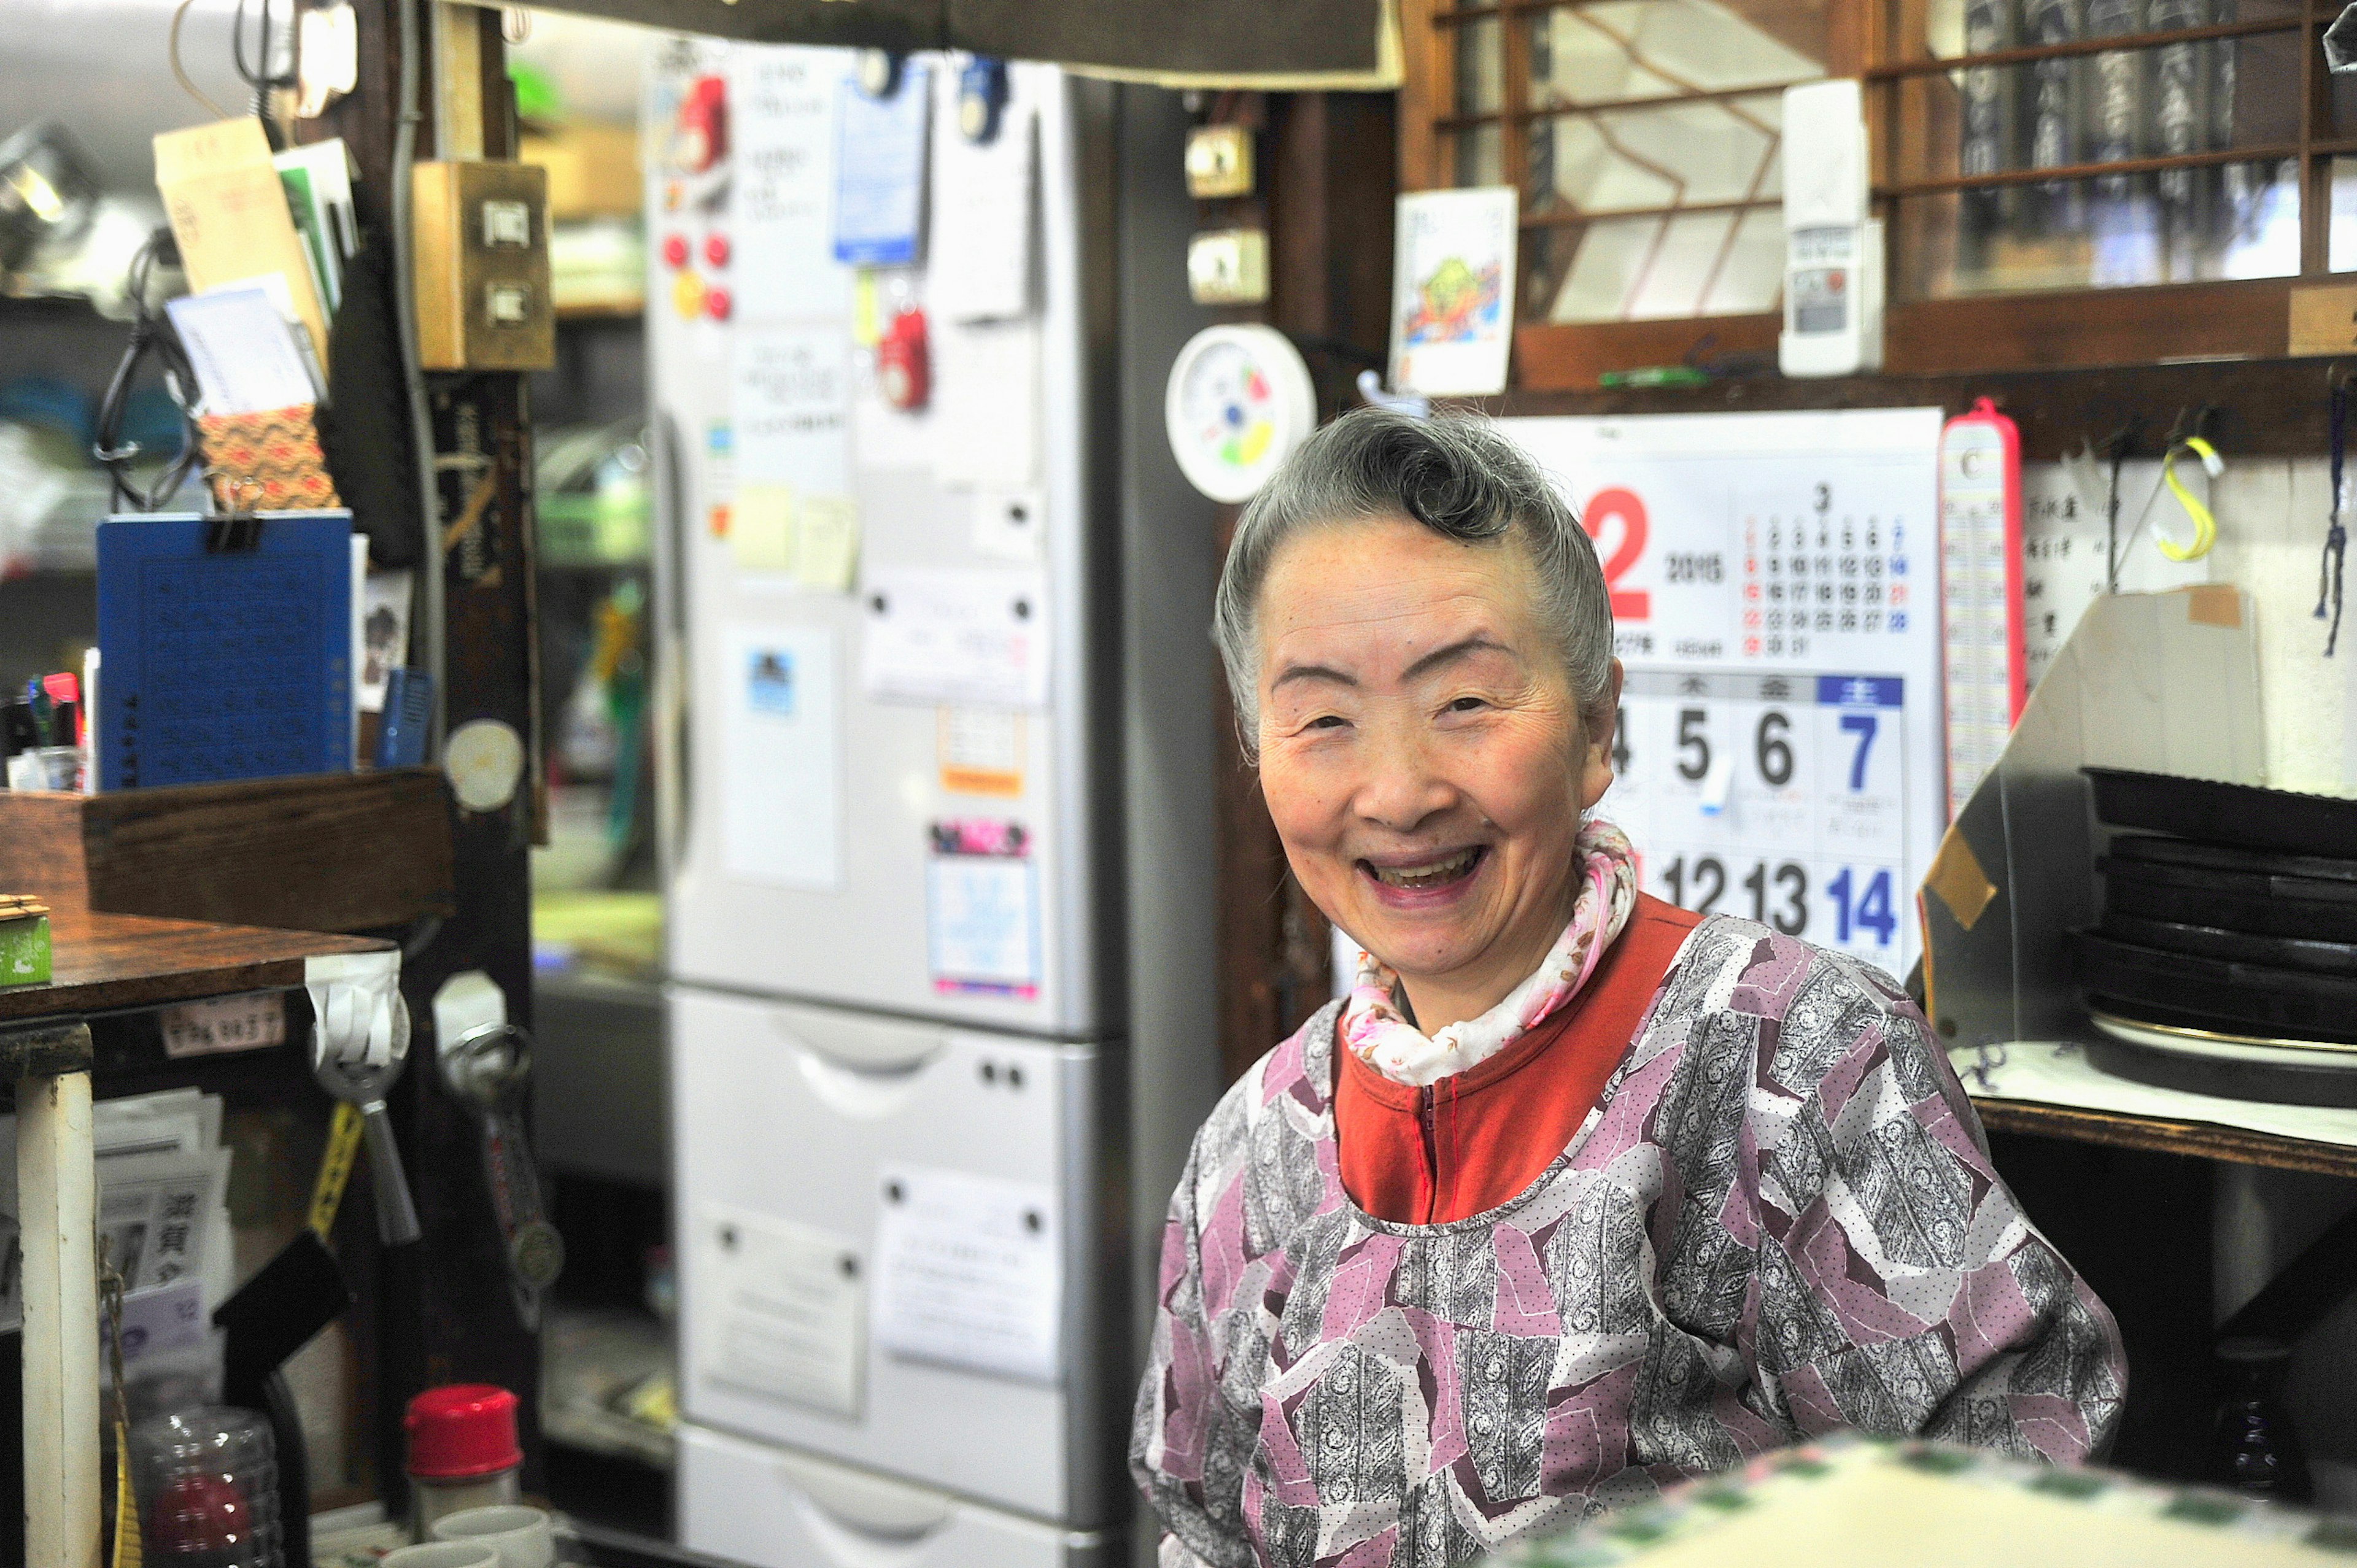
x=1597 y=734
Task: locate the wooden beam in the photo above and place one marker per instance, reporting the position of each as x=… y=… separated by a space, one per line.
x=57 y=1215
x=2272 y=408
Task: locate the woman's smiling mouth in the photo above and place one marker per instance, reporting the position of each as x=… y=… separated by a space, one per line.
x=1423 y=881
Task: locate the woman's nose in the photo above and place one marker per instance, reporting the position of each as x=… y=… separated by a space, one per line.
x=1402 y=787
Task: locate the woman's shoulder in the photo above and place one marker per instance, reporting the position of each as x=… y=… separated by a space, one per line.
x=1734 y=978
x=1763 y=970
x=1296 y=1075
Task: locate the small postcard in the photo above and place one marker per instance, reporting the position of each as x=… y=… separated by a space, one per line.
x=1453 y=292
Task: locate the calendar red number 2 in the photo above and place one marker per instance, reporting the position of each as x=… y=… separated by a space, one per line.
x=1628 y=604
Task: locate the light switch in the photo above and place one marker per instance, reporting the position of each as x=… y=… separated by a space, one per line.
x=479 y=256
x=1218 y=162
x=1228 y=266
x=506 y=223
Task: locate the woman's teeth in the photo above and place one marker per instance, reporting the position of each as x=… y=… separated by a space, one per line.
x=1431 y=875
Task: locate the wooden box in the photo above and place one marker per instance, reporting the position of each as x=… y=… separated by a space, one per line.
x=334 y=851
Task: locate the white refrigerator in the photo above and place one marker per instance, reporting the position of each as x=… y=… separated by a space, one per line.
x=886 y=584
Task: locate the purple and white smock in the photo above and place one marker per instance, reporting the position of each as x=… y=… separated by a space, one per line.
x=1781 y=1219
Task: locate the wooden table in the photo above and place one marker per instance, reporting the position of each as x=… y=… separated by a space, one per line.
x=2198 y=1140
x=100 y=963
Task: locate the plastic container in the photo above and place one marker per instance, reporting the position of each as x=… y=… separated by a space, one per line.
x=207 y=1485
x=462 y=1453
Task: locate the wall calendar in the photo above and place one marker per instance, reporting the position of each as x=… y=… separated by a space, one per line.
x=1775 y=582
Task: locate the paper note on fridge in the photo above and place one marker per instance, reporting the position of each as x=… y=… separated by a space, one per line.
x=981 y=239
x=781 y=759
x=786 y=1311
x=973 y=637
x=969 y=1271
x=790 y=407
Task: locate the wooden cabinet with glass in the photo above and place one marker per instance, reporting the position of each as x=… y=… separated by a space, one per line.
x=2063 y=182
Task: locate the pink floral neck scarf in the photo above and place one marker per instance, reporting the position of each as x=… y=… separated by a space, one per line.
x=1374 y=1029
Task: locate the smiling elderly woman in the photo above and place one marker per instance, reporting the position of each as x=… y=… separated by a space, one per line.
x=1577 y=1193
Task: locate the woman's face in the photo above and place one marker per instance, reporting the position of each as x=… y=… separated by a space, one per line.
x=1422 y=753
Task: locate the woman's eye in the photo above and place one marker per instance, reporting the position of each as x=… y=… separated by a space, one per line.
x=1326 y=721
x=1466 y=705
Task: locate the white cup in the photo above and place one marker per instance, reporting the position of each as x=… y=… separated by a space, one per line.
x=443 y=1554
x=521 y=1536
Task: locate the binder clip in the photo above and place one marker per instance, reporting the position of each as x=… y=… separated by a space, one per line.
x=232 y=525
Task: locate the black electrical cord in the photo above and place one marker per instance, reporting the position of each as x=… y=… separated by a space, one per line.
x=151 y=332
x=256 y=75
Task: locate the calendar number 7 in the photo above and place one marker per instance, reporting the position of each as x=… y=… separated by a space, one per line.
x=1862 y=725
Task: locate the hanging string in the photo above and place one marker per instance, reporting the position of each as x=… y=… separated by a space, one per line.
x=2336 y=534
x=2112 y=516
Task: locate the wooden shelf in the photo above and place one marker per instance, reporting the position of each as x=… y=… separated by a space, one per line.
x=2263 y=407
x=601 y=310
x=2197 y=1140
x=331 y=852
x=104 y=963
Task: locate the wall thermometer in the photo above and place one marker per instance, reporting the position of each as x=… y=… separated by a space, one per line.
x=1239 y=402
x=1980 y=567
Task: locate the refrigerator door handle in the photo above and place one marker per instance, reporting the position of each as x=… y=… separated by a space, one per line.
x=864 y=1093
x=670 y=682
x=864 y=1522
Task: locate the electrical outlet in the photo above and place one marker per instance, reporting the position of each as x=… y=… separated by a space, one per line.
x=1228 y=266
x=481 y=259
x=1218 y=162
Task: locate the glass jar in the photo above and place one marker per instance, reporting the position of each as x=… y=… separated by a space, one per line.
x=207 y=1480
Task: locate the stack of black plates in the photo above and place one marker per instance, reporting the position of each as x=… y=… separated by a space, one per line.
x=2230 y=944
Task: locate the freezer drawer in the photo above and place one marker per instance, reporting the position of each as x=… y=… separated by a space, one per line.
x=831 y=1169
x=774 y=1508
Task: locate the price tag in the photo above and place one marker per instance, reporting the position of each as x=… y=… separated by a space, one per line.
x=1775 y=588
x=245 y=1023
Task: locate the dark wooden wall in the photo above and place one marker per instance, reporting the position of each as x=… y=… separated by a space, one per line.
x=1326 y=185
x=442 y=1313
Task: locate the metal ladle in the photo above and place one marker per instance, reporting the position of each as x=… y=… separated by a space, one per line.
x=360 y=1071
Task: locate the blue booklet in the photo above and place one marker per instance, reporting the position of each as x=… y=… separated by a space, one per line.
x=223 y=664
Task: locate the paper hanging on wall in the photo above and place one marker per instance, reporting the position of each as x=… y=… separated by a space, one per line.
x=791 y=399
x=879 y=182
x=976 y=637
x=986 y=402
x=980 y=247
x=782 y=206
x=1453 y=291
x=1008 y=525
x=761 y=527
x=2065 y=545
x=827 y=544
x=981 y=751
x=982 y=909
x=787 y=1317
x=969 y=1271
x=782 y=797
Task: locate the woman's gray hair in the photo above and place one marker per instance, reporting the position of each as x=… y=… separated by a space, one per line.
x=1457 y=476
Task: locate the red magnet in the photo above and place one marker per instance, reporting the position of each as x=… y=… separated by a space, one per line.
x=675 y=251
x=715 y=249
x=700 y=132
x=903 y=365
x=718 y=303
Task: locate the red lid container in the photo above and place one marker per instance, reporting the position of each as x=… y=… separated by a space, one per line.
x=461 y=1430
